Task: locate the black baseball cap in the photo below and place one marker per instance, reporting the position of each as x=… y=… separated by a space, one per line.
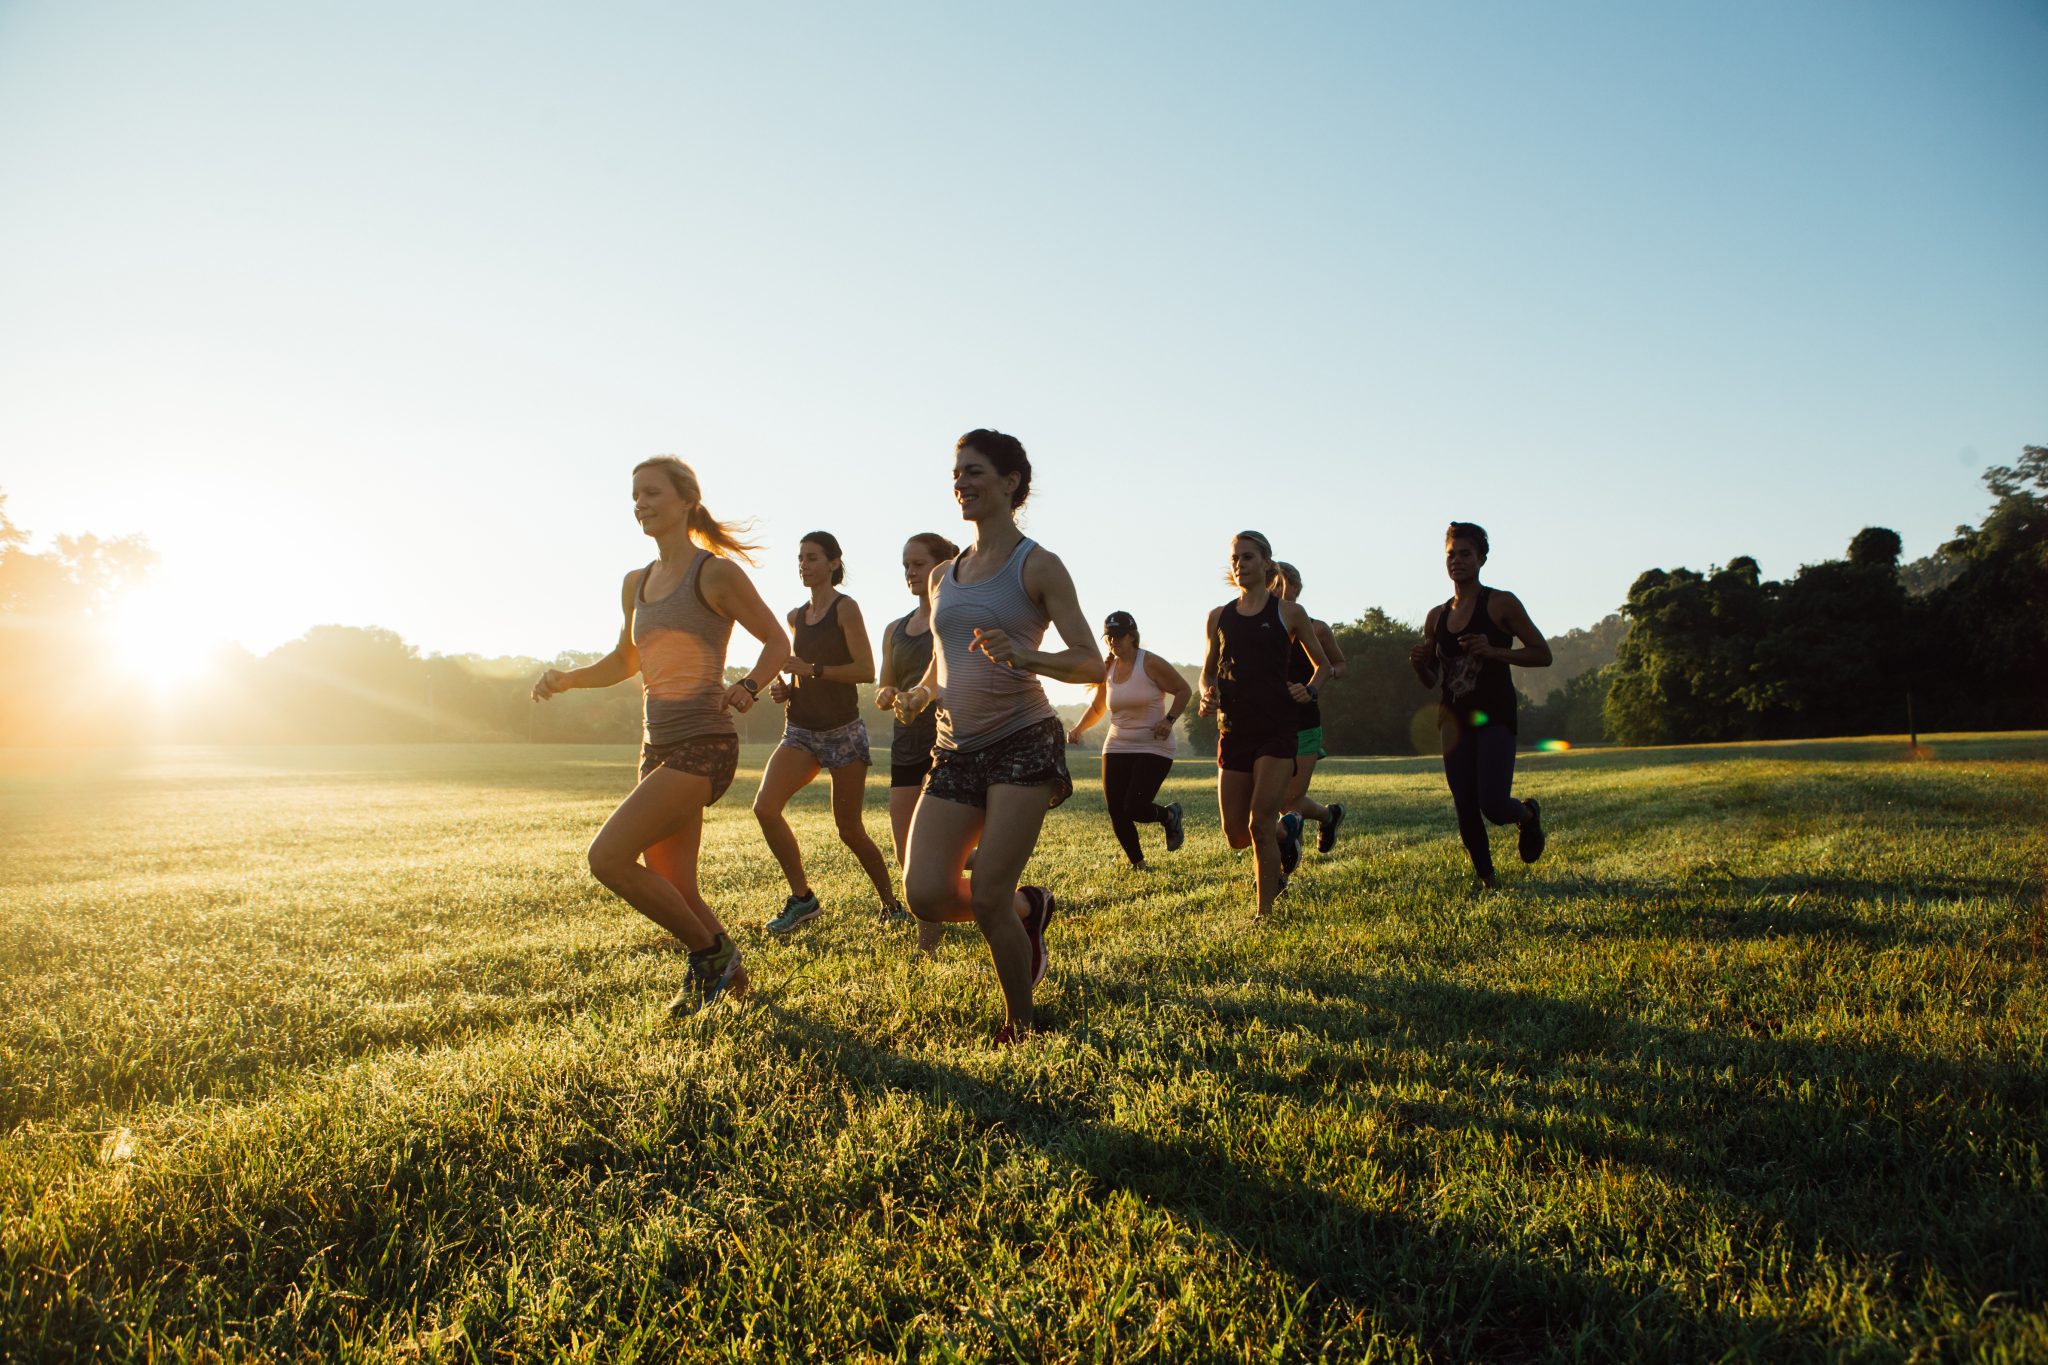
x=1118 y=623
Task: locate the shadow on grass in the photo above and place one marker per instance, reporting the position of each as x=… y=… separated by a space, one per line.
x=1905 y=1164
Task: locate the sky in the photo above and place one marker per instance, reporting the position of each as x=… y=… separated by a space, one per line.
x=362 y=314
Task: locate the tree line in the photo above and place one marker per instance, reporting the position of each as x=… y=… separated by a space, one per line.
x=1859 y=645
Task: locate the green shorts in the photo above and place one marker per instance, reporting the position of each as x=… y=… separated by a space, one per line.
x=1309 y=743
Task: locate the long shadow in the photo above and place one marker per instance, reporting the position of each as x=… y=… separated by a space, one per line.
x=1895 y=1155
x=1340 y=1253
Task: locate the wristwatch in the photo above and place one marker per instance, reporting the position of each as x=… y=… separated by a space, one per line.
x=753 y=688
x=1312 y=694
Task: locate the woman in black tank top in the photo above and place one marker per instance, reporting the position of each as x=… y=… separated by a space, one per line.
x=824 y=732
x=1245 y=684
x=906 y=655
x=1467 y=648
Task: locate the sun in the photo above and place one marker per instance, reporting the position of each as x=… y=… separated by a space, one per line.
x=156 y=640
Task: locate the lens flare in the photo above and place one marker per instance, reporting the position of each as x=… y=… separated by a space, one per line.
x=1479 y=718
x=1554 y=746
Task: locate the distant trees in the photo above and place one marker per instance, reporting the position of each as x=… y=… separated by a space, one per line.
x=53 y=679
x=1841 y=646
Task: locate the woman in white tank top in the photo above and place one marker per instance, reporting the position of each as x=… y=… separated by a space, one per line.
x=1138 y=751
x=999 y=763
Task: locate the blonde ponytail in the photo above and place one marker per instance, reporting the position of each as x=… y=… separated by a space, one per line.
x=722 y=538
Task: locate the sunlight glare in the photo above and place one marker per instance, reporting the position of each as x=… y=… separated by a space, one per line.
x=156 y=640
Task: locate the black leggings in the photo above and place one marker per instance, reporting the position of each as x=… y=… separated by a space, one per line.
x=1129 y=782
x=1480 y=766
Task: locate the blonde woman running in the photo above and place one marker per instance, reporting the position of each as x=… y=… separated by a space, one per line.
x=1144 y=696
x=999 y=762
x=1244 y=680
x=679 y=613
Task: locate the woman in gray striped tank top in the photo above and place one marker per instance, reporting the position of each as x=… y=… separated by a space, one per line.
x=999 y=759
x=679 y=614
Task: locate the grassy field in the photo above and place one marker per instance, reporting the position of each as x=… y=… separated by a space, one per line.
x=341 y=1053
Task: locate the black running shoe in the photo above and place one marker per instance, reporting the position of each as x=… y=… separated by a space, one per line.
x=1175 y=833
x=1531 y=838
x=1327 y=840
x=1290 y=843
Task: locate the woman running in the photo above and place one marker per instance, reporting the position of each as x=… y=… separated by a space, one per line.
x=1138 y=751
x=1244 y=677
x=679 y=614
x=1467 y=648
x=906 y=654
x=999 y=762
x=1295 y=804
x=829 y=658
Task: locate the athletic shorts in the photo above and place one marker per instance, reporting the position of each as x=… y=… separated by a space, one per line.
x=714 y=757
x=909 y=774
x=1033 y=757
x=1238 y=752
x=835 y=748
x=1309 y=743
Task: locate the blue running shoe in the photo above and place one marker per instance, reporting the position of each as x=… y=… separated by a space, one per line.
x=796 y=910
x=1327 y=840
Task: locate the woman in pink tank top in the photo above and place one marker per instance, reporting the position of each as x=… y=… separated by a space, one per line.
x=999 y=763
x=1143 y=696
x=679 y=614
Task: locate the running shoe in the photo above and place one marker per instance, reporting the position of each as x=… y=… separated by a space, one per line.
x=1327 y=840
x=795 y=911
x=895 y=916
x=1009 y=1035
x=1530 y=839
x=1290 y=843
x=1175 y=833
x=715 y=972
x=1042 y=906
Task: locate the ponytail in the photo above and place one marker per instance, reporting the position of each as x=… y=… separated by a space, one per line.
x=722 y=538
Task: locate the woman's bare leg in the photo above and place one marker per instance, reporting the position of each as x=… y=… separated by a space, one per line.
x=667 y=806
x=849 y=798
x=789 y=771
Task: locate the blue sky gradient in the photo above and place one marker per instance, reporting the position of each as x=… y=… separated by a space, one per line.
x=363 y=313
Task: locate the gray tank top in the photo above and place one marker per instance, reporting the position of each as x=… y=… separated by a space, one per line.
x=682 y=659
x=985 y=701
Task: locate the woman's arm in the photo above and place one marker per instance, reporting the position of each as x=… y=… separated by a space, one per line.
x=1335 y=655
x=1098 y=702
x=1298 y=623
x=622 y=663
x=1167 y=679
x=885 y=695
x=1422 y=657
x=1052 y=588
x=731 y=594
x=912 y=700
x=1510 y=616
x=1208 y=701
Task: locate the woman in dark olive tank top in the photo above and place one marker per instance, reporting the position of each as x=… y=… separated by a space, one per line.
x=1467 y=648
x=1245 y=684
x=679 y=614
x=999 y=761
x=829 y=660
x=906 y=654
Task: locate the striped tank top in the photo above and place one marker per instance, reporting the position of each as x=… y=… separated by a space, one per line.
x=682 y=659
x=985 y=701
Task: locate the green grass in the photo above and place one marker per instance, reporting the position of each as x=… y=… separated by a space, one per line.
x=341 y=1053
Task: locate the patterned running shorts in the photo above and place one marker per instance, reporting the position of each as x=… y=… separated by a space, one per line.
x=1033 y=757
x=713 y=757
x=834 y=748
